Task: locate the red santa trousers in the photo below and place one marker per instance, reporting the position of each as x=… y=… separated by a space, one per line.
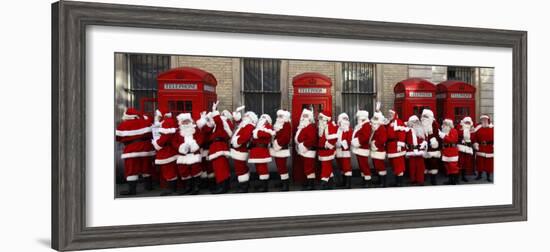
x=466 y=162
x=189 y=171
x=240 y=167
x=309 y=167
x=432 y=164
x=326 y=170
x=262 y=170
x=416 y=169
x=364 y=165
x=345 y=165
x=134 y=166
x=220 y=166
x=207 y=169
x=451 y=167
x=398 y=165
x=282 y=169
x=168 y=171
x=484 y=164
x=379 y=166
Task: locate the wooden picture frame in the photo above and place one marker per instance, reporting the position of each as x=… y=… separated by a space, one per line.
x=69 y=21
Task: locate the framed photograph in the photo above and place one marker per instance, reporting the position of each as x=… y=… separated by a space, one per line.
x=177 y=125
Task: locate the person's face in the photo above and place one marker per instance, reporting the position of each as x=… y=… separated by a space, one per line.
x=392 y=114
x=186 y=122
x=485 y=121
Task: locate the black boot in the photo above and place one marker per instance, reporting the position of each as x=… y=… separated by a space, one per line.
x=399 y=181
x=479 y=174
x=187 y=187
x=347 y=180
x=242 y=187
x=342 y=182
x=171 y=188
x=463 y=176
x=284 y=185
x=489 y=177
x=148 y=183
x=264 y=184
x=365 y=183
x=212 y=186
x=222 y=187
x=310 y=185
x=383 y=181
x=433 y=179
x=203 y=184
x=324 y=185
x=131 y=189
x=195 y=183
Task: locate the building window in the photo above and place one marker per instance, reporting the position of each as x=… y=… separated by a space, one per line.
x=358 y=88
x=465 y=74
x=261 y=85
x=142 y=87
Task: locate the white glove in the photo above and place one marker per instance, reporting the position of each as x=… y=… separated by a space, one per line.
x=302 y=148
x=355 y=142
x=423 y=145
x=184 y=148
x=400 y=146
x=328 y=145
x=344 y=144
x=239 y=109
x=373 y=145
x=237 y=116
x=276 y=145
x=215 y=106
x=476 y=146
x=442 y=135
x=192 y=144
x=338 y=144
x=434 y=143
x=234 y=142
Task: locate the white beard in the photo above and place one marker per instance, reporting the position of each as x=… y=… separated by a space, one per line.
x=344 y=126
x=261 y=124
x=485 y=124
x=187 y=130
x=419 y=131
x=321 y=127
x=427 y=124
x=279 y=123
x=244 y=121
x=466 y=132
x=375 y=125
x=445 y=129
x=304 y=123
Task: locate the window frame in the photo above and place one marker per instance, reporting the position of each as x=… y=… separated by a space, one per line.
x=260 y=92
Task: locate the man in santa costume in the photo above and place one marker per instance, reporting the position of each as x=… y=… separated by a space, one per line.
x=396 y=132
x=378 y=144
x=449 y=152
x=466 y=152
x=259 y=150
x=483 y=145
x=305 y=142
x=166 y=153
x=239 y=149
x=219 y=150
x=343 y=154
x=327 y=132
x=187 y=142
x=135 y=134
x=360 y=142
x=433 y=154
x=205 y=126
x=280 y=146
x=416 y=147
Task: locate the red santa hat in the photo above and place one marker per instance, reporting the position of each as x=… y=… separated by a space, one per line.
x=378 y=117
x=309 y=113
x=284 y=114
x=325 y=115
x=253 y=117
x=484 y=116
x=267 y=118
x=413 y=119
x=362 y=115
x=130 y=114
x=343 y=116
x=466 y=119
x=168 y=126
x=428 y=113
x=392 y=112
x=448 y=122
x=184 y=116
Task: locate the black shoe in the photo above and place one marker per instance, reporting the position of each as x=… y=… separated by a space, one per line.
x=489 y=177
x=148 y=183
x=479 y=174
x=342 y=182
x=195 y=183
x=463 y=177
x=398 y=181
x=264 y=184
x=365 y=183
x=309 y=185
x=324 y=185
x=203 y=184
x=242 y=187
x=383 y=181
x=284 y=185
x=433 y=179
x=131 y=189
x=187 y=187
x=172 y=187
x=222 y=187
x=212 y=186
x=347 y=180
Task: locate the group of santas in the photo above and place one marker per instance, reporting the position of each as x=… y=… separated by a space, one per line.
x=197 y=153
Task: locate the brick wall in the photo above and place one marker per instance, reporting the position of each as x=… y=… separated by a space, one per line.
x=486 y=90
x=388 y=76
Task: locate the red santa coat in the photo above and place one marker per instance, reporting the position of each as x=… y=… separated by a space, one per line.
x=465 y=140
x=239 y=142
x=281 y=141
x=416 y=145
x=261 y=138
x=188 y=147
x=344 y=143
x=307 y=139
x=166 y=153
x=361 y=139
x=221 y=133
x=136 y=136
x=378 y=143
x=396 y=132
x=327 y=142
x=449 y=152
x=484 y=140
x=434 y=143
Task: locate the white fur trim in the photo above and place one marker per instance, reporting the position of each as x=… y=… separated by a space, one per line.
x=397 y=154
x=167 y=130
x=156 y=145
x=260 y=160
x=326 y=179
x=238 y=155
x=326 y=158
x=201 y=122
x=189 y=159
x=226 y=127
x=218 y=154
x=211 y=175
x=432 y=154
x=348 y=174
x=311 y=176
x=132 y=178
x=276 y=145
x=465 y=149
x=137 y=132
x=243 y=178
x=332 y=136
x=434 y=143
x=433 y=171
x=145 y=175
x=166 y=160
x=382 y=173
x=449 y=159
x=279 y=153
x=328 y=145
x=361 y=152
x=381 y=155
x=204 y=153
x=186 y=178
x=401 y=144
x=485 y=155
x=355 y=142
x=203 y=175
x=342 y=153
x=264 y=177
x=416 y=153
x=367 y=178
x=137 y=154
x=284 y=176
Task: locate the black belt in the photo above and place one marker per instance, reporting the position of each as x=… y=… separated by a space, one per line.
x=486 y=142
x=258 y=145
x=219 y=139
x=449 y=145
x=410 y=146
x=467 y=144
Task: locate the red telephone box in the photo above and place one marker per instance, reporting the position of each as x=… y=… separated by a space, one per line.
x=312 y=91
x=412 y=96
x=186 y=90
x=456 y=100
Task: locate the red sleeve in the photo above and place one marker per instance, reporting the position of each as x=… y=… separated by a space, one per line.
x=310 y=137
x=283 y=137
x=381 y=138
x=364 y=134
x=164 y=140
x=451 y=137
x=245 y=134
x=198 y=137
